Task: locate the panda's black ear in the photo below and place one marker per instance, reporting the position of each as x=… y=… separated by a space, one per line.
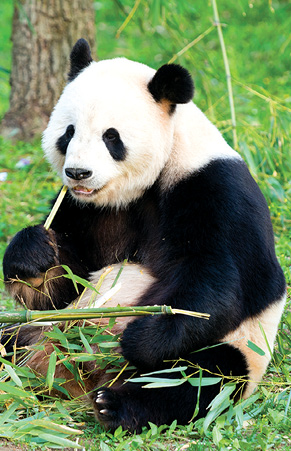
x=80 y=58
x=172 y=83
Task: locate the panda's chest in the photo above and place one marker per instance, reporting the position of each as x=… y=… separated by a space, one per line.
x=124 y=234
x=115 y=237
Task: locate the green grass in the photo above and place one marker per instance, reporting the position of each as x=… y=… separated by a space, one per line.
x=257 y=39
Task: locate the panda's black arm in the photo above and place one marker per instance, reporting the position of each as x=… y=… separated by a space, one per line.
x=148 y=341
x=35 y=256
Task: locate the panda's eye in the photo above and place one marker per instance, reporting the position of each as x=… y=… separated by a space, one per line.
x=64 y=140
x=114 y=144
x=110 y=135
x=70 y=131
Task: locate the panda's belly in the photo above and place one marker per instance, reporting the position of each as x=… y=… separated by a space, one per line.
x=250 y=330
x=133 y=281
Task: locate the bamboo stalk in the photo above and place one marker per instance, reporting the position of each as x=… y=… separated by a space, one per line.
x=55 y=208
x=25 y=316
x=227 y=72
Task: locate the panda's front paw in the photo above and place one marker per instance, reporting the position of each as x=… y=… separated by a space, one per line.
x=143 y=343
x=29 y=255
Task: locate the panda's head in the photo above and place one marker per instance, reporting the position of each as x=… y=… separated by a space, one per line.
x=111 y=132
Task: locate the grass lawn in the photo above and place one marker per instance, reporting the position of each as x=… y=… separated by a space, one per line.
x=258 y=43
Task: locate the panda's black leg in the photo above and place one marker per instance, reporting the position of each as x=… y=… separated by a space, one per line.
x=131 y=406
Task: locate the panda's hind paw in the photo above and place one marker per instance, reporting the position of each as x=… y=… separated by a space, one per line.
x=107 y=407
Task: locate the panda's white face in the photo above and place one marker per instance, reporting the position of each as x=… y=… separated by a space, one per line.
x=107 y=137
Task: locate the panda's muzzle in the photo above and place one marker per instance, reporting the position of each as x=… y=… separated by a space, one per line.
x=78 y=173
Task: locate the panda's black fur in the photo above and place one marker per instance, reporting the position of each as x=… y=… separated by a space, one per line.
x=205 y=237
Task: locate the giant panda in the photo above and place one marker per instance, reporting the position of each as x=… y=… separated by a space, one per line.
x=151 y=180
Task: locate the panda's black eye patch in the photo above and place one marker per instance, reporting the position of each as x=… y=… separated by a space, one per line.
x=63 y=141
x=114 y=144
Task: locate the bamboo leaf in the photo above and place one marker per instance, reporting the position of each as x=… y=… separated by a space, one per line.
x=80 y=280
x=119 y=273
x=215 y=412
x=51 y=370
x=164 y=384
x=204 y=382
x=57 y=439
x=156 y=382
x=24 y=371
x=170 y=370
x=224 y=394
x=6 y=415
x=12 y=373
x=52 y=426
x=196 y=411
x=255 y=348
x=15 y=391
x=86 y=343
x=71 y=276
x=109 y=344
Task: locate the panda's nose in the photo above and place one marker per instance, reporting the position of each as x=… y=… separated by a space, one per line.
x=78 y=173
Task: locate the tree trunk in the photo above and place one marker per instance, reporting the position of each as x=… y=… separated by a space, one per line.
x=43 y=34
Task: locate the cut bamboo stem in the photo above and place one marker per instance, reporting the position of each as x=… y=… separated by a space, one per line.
x=55 y=208
x=26 y=316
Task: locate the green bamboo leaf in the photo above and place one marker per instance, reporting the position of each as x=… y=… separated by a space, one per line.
x=71 y=276
x=85 y=343
x=15 y=391
x=66 y=362
x=6 y=415
x=104 y=446
x=144 y=379
x=196 y=411
x=52 y=426
x=51 y=370
x=164 y=384
x=24 y=371
x=119 y=273
x=170 y=370
x=60 y=388
x=255 y=348
x=109 y=344
x=219 y=404
x=157 y=382
x=78 y=279
x=85 y=358
x=57 y=439
x=216 y=435
x=62 y=410
x=12 y=373
x=205 y=381
x=249 y=157
x=215 y=412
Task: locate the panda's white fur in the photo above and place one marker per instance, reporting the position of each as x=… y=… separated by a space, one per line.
x=174 y=144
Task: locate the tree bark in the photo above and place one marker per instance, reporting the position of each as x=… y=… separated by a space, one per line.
x=43 y=34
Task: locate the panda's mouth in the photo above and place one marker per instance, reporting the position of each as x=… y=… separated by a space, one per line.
x=81 y=190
